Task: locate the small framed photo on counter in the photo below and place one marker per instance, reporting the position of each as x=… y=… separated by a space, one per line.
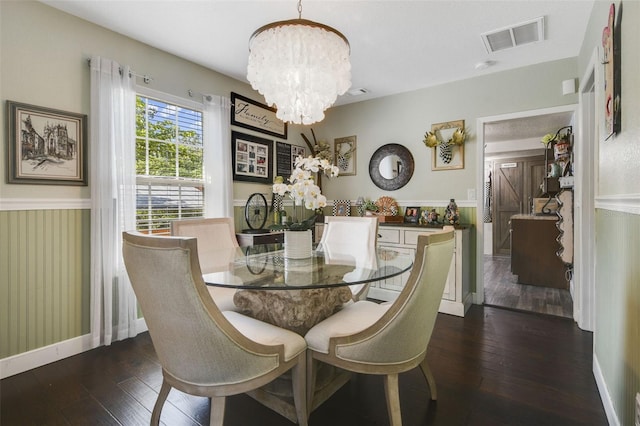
x=411 y=214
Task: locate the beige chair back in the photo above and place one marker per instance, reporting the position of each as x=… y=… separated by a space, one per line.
x=194 y=341
x=202 y=350
x=403 y=332
x=215 y=237
x=352 y=239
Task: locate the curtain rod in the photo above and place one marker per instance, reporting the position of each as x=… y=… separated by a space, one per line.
x=191 y=93
x=146 y=78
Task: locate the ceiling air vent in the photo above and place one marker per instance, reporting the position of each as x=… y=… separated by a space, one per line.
x=514 y=35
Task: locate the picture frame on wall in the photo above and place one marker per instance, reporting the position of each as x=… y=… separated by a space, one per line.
x=612 y=74
x=286 y=155
x=252 y=158
x=447 y=156
x=46 y=146
x=256 y=116
x=345 y=155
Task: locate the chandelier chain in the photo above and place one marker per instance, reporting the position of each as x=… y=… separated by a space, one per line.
x=299 y=9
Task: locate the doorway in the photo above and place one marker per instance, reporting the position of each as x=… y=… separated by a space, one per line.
x=512 y=162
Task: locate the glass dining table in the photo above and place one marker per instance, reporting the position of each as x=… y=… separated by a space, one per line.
x=296 y=294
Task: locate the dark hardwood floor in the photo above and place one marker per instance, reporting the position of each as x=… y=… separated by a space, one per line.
x=493 y=367
x=502 y=289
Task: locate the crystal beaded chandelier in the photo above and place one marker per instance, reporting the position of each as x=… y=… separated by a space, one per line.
x=300 y=67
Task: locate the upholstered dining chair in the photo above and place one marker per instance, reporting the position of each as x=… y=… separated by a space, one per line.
x=386 y=339
x=214 y=236
x=355 y=237
x=202 y=350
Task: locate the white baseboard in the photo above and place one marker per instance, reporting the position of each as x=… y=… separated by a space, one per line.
x=38 y=357
x=612 y=417
x=26 y=361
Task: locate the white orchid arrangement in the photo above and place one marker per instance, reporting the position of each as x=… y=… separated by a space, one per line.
x=302 y=188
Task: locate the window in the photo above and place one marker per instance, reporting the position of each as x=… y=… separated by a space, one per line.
x=169 y=153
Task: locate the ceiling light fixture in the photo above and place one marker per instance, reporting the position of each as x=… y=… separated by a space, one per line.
x=300 y=67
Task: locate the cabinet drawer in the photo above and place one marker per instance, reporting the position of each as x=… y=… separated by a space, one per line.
x=391 y=236
x=410 y=236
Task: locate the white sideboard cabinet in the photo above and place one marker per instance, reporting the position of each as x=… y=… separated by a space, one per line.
x=456 y=298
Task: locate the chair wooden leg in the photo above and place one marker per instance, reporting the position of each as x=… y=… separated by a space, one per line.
x=311 y=382
x=157 y=408
x=299 y=381
x=393 y=399
x=431 y=381
x=216 y=417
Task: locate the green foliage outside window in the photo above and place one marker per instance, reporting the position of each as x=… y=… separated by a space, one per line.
x=168 y=145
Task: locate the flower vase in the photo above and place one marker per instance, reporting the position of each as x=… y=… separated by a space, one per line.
x=297 y=244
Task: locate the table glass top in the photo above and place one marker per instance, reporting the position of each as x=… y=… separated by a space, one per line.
x=265 y=267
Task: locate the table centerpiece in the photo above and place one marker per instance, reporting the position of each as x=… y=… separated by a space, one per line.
x=305 y=195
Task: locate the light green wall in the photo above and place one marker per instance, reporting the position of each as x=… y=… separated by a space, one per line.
x=617 y=286
x=618 y=157
x=44 y=62
x=617 y=337
x=44 y=271
x=405 y=118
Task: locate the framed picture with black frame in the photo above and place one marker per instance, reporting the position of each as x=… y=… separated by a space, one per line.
x=411 y=214
x=256 y=116
x=46 y=146
x=252 y=158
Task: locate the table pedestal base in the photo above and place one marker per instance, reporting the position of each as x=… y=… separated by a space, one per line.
x=298 y=311
x=295 y=310
x=278 y=395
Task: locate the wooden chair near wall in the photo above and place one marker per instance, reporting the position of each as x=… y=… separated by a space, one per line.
x=215 y=236
x=202 y=350
x=389 y=338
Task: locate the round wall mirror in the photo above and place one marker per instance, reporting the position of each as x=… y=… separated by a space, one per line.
x=391 y=166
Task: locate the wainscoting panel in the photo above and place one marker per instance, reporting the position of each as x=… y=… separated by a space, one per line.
x=617 y=293
x=44 y=278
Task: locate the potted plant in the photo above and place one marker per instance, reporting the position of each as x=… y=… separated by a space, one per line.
x=370 y=207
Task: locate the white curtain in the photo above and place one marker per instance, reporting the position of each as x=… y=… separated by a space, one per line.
x=218 y=177
x=113 y=185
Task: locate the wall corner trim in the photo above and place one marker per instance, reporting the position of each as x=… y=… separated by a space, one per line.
x=7 y=204
x=624 y=203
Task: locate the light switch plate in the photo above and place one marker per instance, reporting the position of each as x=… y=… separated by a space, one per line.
x=471 y=194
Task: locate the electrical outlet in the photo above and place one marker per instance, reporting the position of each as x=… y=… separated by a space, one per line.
x=471 y=194
x=638 y=409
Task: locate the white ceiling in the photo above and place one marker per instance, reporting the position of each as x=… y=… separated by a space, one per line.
x=396 y=46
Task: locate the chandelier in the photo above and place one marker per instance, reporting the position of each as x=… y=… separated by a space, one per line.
x=300 y=67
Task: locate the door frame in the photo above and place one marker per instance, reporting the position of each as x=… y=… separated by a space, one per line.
x=478 y=297
x=587 y=179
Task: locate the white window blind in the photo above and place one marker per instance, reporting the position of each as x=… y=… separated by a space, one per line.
x=169 y=153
